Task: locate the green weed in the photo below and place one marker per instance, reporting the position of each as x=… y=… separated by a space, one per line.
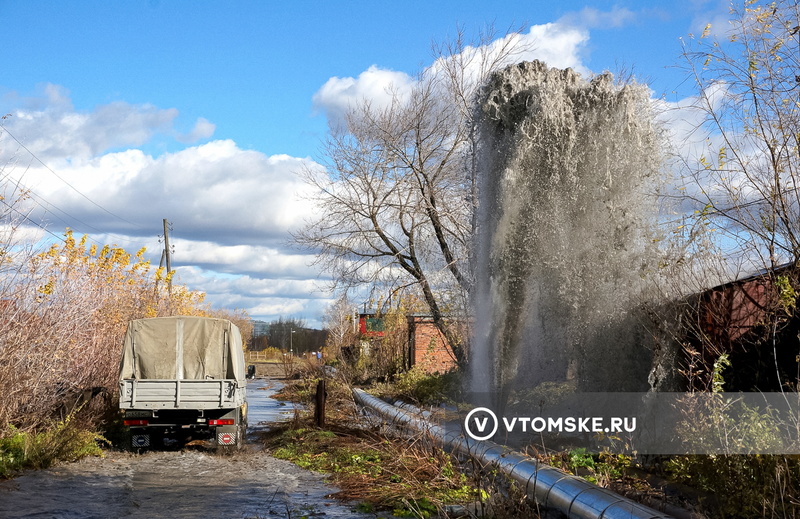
x=376 y=471
x=63 y=442
x=423 y=388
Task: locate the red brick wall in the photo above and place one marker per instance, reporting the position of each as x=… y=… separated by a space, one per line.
x=429 y=349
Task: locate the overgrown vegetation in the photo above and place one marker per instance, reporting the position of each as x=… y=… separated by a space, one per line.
x=380 y=471
x=740 y=178
x=64 y=441
x=417 y=387
x=741 y=486
x=371 y=355
x=64 y=317
x=728 y=486
x=735 y=485
x=410 y=477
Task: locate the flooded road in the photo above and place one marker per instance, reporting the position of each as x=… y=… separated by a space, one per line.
x=262 y=409
x=179 y=484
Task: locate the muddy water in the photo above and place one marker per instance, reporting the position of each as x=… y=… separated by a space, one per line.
x=262 y=408
x=178 y=484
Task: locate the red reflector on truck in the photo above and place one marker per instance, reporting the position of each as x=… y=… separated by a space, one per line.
x=224 y=421
x=130 y=423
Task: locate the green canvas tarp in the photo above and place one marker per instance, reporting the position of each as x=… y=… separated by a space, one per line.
x=182 y=348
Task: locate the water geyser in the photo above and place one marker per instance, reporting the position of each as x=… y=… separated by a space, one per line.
x=563 y=252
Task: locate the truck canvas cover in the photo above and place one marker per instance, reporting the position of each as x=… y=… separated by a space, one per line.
x=182 y=348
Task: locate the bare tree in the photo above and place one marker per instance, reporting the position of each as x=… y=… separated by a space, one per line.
x=396 y=199
x=340 y=323
x=745 y=178
x=292 y=334
x=741 y=176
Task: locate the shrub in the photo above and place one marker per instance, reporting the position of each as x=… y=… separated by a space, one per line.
x=424 y=388
x=63 y=442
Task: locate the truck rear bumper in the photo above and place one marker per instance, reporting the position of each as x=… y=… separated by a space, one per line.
x=149 y=428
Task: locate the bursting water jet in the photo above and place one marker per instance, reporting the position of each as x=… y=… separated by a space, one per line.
x=565 y=218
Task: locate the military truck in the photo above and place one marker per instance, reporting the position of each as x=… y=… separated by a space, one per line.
x=183 y=378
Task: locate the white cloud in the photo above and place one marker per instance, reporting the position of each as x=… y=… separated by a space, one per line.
x=558 y=45
x=250 y=286
x=212 y=191
x=263 y=298
x=699 y=141
x=376 y=85
x=51 y=128
x=203 y=129
x=232 y=210
x=253 y=259
x=555 y=44
x=592 y=18
x=716 y=14
x=685 y=121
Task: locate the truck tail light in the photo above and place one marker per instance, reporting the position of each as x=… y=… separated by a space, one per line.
x=223 y=421
x=130 y=423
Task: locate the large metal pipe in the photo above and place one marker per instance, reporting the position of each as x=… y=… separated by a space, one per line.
x=549 y=486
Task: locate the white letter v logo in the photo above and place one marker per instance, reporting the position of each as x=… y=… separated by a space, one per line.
x=481 y=425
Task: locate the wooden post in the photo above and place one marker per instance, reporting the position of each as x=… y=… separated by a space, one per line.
x=319 y=410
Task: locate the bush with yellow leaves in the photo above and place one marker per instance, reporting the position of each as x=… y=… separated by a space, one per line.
x=63 y=314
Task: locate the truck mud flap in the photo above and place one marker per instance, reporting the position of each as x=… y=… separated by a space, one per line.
x=228 y=436
x=139 y=441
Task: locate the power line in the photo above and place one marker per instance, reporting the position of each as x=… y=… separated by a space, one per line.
x=50 y=208
x=46 y=205
x=48 y=168
x=53 y=209
x=37 y=224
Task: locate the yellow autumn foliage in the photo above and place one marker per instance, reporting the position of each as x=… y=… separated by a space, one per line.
x=62 y=320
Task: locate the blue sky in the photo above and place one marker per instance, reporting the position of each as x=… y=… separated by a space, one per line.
x=201 y=111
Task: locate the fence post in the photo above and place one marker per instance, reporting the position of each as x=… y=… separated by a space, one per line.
x=319 y=409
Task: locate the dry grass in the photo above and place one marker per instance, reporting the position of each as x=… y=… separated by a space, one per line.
x=379 y=471
x=375 y=467
x=370 y=466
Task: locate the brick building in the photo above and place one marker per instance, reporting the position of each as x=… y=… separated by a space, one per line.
x=739 y=319
x=427 y=347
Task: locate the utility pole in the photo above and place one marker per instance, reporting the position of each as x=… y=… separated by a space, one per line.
x=166 y=254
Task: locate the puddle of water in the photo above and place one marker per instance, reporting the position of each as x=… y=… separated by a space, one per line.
x=172 y=485
x=263 y=408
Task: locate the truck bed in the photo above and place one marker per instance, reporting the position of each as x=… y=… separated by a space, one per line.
x=180 y=394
